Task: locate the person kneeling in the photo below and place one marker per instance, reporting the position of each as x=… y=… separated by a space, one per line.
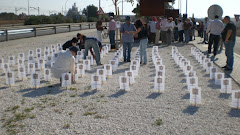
x=65 y=63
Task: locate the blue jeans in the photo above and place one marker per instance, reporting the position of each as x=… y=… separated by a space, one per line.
x=112 y=37
x=143 y=47
x=229 y=52
x=91 y=43
x=186 y=33
x=205 y=36
x=127 y=46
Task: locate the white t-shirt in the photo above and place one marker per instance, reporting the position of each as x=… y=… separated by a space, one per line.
x=180 y=26
x=65 y=63
x=170 y=26
x=163 y=24
x=152 y=26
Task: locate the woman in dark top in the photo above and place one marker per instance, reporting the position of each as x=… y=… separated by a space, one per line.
x=142 y=35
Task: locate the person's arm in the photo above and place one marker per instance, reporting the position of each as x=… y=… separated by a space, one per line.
x=209 y=28
x=122 y=29
x=135 y=32
x=92 y=53
x=229 y=33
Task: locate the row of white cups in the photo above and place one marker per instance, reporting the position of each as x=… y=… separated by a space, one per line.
x=37 y=62
x=226 y=83
x=159 y=79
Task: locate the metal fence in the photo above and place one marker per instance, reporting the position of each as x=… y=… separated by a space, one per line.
x=11 y=33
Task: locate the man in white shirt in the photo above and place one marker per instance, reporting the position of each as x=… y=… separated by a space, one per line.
x=163 y=29
x=65 y=63
x=152 y=25
x=180 y=30
x=205 y=24
x=215 y=28
x=170 y=27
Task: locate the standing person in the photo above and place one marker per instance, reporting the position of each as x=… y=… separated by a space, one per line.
x=142 y=34
x=229 y=38
x=100 y=27
x=163 y=29
x=180 y=30
x=170 y=27
x=70 y=43
x=127 y=38
x=158 y=30
x=152 y=30
x=215 y=28
x=201 y=27
x=176 y=35
x=194 y=24
x=111 y=31
x=187 y=27
x=89 y=44
x=205 y=34
x=65 y=63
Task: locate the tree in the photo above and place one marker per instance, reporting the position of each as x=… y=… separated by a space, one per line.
x=90 y=11
x=116 y=2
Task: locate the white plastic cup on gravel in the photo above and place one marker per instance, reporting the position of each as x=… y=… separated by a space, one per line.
x=134 y=69
x=22 y=72
x=124 y=83
x=160 y=73
x=101 y=73
x=160 y=68
x=31 y=68
x=87 y=64
x=188 y=69
x=213 y=71
x=96 y=82
x=66 y=80
x=11 y=60
x=6 y=67
x=116 y=60
x=41 y=63
x=208 y=66
x=47 y=74
x=108 y=69
x=159 y=84
x=235 y=99
x=35 y=79
x=130 y=76
x=10 y=78
x=80 y=70
x=114 y=65
x=20 y=62
x=1 y=63
x=226 y=85
x=218 y=78
x=195 y=95
x=31 y=59
x=90 y=58
x=21 y=56
x=30 y=53
x=192 y=82
x=190 y=74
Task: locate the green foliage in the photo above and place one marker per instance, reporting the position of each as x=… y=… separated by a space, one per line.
x=92 y=19
x=8 y=16
x=158 y=122
x=90 y=11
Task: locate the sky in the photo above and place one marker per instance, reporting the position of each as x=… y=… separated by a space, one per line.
x=198 y=7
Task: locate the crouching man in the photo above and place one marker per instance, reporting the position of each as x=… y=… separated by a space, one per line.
x=65 y=63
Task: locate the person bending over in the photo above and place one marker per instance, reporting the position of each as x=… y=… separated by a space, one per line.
x=70 y=43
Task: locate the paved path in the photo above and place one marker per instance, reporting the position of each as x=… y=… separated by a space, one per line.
x=220 y=59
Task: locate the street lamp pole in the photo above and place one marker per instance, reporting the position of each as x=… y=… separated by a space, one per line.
x=28 y=8
x=186 y=5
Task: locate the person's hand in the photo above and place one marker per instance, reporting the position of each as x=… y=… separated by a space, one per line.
x=226 y=40
x=94 y=57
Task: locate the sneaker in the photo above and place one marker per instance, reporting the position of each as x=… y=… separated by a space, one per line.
x=128 y=60
x=99 y=64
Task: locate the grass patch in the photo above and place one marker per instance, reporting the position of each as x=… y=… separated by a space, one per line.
x=14 y=108
x=102 y=96
x=57 y=111
x=158 y=122
x=85 y=106
x=74 y=95
x=87 y=88
x=27 y=110
x=71 y=113
x=23 y=101
x=49 y=92
x=66 y=125
x=89 y=113
x=73 y=88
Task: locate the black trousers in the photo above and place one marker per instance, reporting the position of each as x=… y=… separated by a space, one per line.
x=180 y=33
x=213 y=39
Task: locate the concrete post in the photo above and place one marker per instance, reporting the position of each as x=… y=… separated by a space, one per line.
x=35 y=31
x=6 y=32
x=55 y=29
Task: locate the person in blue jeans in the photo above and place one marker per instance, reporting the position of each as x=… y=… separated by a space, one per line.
x=127 y=38
x=187 y=27
x=142 y=35
x=92 y=43
x=229 y=38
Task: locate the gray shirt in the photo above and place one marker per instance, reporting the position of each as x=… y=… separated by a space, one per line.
x=127 y=37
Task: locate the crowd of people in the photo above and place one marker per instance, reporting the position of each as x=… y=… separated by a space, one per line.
x=157 y=29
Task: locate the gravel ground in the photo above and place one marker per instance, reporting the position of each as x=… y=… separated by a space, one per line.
x=80 y=110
